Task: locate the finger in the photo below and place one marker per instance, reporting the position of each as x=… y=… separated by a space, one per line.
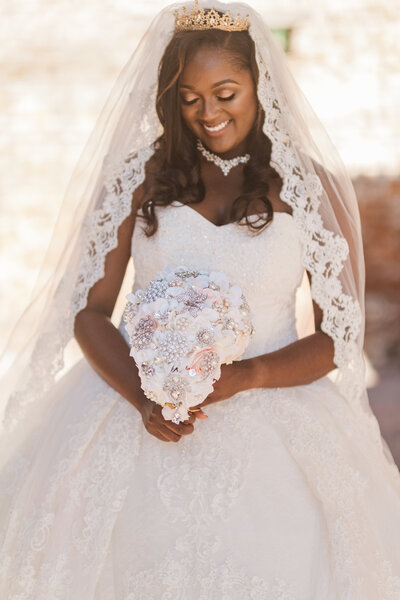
x=169 y=429
x=159 y=436
x=165 y=430
x=167 y=434
x=178 y=428
x=183 y=428
x=191 y=419
x=188 y=428
x=201 y=415
x=173 y=437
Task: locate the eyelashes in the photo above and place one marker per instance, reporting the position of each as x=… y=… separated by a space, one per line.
x=222 y=99
x=189 y=102
x=231 y=97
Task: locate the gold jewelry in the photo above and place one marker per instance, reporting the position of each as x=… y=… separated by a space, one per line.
x=199 y=18
x=193 y=410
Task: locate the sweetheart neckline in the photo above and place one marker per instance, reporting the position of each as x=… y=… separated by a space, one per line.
x=203 y=218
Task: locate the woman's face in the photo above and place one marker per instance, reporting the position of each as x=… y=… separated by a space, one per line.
x=218 y=101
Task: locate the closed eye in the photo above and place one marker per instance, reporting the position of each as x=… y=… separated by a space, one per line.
x=189 y=102
x=222 y=98
x=226 y=98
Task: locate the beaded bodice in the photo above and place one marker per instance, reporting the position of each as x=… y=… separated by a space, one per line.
x=266 y=266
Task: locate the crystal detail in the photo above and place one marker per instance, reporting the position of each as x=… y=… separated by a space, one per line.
x=222 y=307
x=205 y=337
x=209 y=363
x=143 y=333
x=182 y=323
x=194 y=300
x=224 y=165
x=200 y=18
x=173 y=346
x=175 y=386
x=176 y=418
x=156 y=289
x=186 y=273
x=230 y=324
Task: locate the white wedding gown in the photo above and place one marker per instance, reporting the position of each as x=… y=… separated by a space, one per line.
x=278 y=495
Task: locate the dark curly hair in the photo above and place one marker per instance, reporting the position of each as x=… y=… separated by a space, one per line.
x=173 y=173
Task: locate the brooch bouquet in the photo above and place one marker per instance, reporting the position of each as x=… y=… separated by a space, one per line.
x=181 y=328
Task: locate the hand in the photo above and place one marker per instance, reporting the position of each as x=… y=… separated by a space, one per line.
x=154 y=422
x=236 y=377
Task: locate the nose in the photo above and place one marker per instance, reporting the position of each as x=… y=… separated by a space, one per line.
x=209 y=110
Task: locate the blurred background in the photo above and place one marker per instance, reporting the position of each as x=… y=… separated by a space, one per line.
x=59 y=60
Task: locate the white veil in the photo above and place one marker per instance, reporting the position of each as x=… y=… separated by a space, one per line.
x=98 y=199
x=325 y=211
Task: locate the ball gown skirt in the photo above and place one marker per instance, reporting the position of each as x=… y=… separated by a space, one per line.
x=279 y=495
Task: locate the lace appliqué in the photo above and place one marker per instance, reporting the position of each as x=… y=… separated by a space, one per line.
x=324 y=252
x=100 y=236
x=85 y=503
x=223 y=582
x=342 y=491
x=212 y=479
x=323 y=256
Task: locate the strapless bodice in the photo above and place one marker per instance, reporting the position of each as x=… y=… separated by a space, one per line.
x=267 y=266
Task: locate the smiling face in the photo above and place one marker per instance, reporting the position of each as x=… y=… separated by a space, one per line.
x=218 y=101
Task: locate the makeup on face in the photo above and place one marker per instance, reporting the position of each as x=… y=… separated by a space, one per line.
x=219 y=103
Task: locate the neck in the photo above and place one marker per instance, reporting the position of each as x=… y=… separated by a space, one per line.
x=239 y=150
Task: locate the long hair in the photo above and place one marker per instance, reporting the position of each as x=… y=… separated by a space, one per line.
x=174 y=171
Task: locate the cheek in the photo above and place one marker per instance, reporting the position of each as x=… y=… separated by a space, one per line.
x=247 y=109
x=188 y=116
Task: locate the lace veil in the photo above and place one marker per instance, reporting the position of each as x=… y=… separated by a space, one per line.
x=98 y=200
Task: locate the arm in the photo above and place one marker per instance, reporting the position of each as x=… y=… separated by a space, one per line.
x=101 y=342
x=299 y=363
x=105 y=348
x=311 y=357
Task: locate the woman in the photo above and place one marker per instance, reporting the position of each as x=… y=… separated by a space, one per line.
x=285 y=488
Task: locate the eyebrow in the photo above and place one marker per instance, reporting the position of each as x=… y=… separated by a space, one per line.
x=190 y=87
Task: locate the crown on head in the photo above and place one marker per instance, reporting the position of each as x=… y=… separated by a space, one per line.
x=200 y=18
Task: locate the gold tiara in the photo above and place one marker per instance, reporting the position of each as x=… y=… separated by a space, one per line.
x=200 y=18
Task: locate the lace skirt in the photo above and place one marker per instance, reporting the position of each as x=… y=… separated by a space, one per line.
x=278 y=495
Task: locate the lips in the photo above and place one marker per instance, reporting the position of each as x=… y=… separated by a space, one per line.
x=216 y=128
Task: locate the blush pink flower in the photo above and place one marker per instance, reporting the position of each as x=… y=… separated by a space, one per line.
x=238 y=349
x=200 y=360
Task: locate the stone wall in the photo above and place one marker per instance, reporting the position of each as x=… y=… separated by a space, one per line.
x=379 y=201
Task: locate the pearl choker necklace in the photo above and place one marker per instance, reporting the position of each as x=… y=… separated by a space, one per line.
x=224 y=165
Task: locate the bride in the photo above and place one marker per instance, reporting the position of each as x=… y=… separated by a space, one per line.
x=279 y=485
